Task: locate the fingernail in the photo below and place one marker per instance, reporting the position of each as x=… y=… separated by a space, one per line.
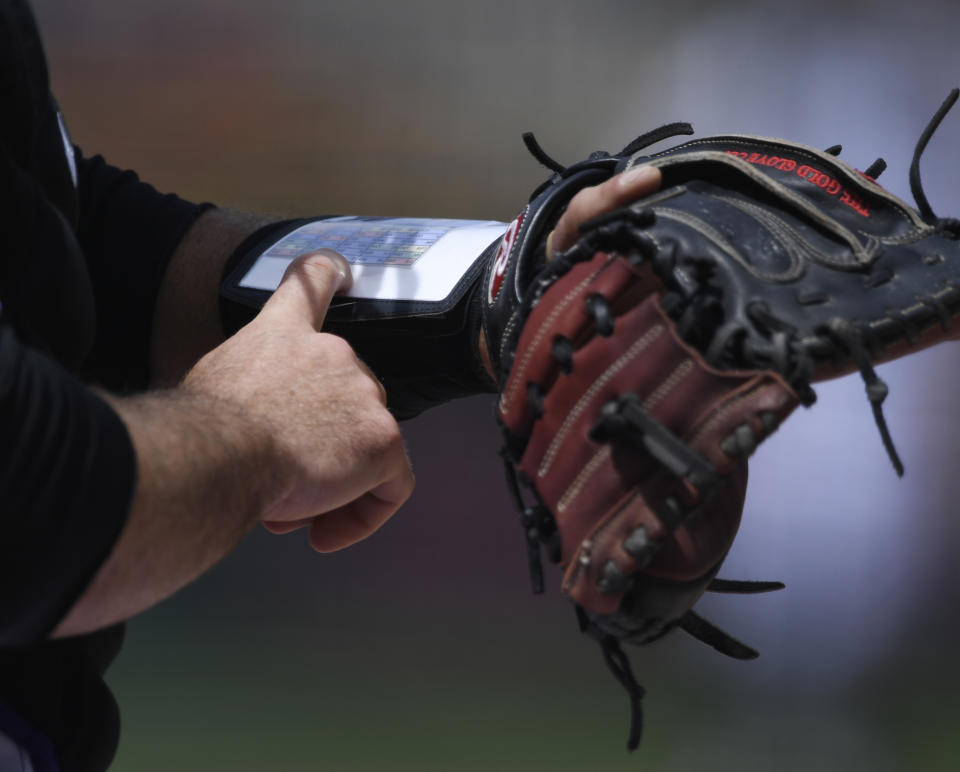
x=339 y=262
x=549 y=246
x=638 y=175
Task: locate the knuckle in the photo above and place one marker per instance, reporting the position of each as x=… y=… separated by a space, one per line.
x=586 y=198
x=579 y=202
x=388 y=429
x=372 y=388
x=336 y=347
x=379 y=435
x=316 y=267
x=584 y=205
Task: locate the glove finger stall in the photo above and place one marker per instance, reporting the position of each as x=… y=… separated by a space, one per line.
x=565 y=314
x=649 y=604
x=579 y=479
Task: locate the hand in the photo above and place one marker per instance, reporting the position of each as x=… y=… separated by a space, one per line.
x=341 y=466
x=614 y=193
x=618 y=191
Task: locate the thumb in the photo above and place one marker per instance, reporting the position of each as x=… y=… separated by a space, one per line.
x=307 y=287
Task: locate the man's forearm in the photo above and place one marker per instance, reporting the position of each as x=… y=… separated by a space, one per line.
x=280 y=423
x=205 y=475
x=187 y=320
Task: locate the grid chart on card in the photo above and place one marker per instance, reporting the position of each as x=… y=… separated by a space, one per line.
x=367 y=241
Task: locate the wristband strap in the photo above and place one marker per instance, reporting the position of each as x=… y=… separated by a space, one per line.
x=424 y=352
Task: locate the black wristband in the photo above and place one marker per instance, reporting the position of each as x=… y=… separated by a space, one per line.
x=425 y=353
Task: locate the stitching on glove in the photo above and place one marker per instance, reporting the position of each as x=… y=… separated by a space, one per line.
x=795 y=149
x=911 y=237
x=790 y=239
x=580 y=481
x=718 y=413
x=631 y=353
x=711 y=234
x=862 y=255
x=517 y=375
x=673 y=380
x=571 y=493
x=583 y=558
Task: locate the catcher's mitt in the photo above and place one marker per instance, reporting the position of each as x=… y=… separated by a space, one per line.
x=640 y=368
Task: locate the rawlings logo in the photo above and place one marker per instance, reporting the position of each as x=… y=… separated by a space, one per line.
x=503 y=257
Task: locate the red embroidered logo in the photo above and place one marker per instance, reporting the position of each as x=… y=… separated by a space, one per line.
x=809 y=173
x=503 y=257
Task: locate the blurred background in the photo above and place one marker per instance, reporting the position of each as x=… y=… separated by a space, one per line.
x=422 y=648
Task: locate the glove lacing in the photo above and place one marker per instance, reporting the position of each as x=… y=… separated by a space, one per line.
x=622 y=231
x=625 y=420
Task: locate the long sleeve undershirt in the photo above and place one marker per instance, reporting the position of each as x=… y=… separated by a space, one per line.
x=68 y=469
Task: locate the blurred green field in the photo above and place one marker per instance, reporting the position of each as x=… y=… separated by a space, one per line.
x=420 y=699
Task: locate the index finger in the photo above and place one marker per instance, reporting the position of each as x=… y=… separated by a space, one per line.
x=308 y=286
x=618 y=191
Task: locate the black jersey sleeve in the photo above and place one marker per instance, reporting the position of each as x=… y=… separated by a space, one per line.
x=67 y=476
x=127 y=231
